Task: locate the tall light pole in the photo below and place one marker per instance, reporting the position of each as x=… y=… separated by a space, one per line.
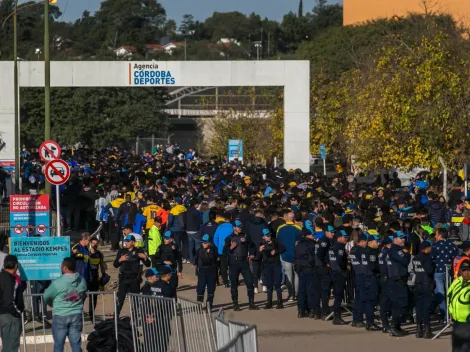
x=258 y=45
x=47 y=82
x=16 y=97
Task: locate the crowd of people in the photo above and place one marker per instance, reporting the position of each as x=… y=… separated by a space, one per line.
x=396 y=247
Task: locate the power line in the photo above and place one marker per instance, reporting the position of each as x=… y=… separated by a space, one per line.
x=65 y=9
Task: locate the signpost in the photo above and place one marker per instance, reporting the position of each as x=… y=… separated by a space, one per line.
x=323 y=156
x=235 y=149
x=27 y=212
x=49 y=150
x=40 y=258
x=57 y=173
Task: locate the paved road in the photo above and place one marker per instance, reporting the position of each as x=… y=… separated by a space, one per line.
x=281 y=330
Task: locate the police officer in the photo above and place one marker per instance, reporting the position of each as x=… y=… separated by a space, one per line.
x=371 y=285
x=423 y=268
x=129 y=260
x=385 y=301
x=322 y=269
x=157 y=325
x=358 y=260
x=239 y=249
x=271 y=251
x=170 y=254
x=339 y=267
x=398 y=259
x=304 y=265
x=206 y=262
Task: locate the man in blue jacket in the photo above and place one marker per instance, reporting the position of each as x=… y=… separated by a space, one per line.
x=223 y=231
x=287 y=235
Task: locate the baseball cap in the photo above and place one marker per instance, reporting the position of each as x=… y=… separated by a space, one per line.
x=361 y=238
x=343 y=233
x=371 y=238
x=206 y=239
x=399 y=234
x=465 y=264
x=329 y=228
x=168 y=235
x=238 y=223
x=425 y=244
x=387 y=240
x=266 y=232
x=165 y=269
x=129 y=238
x=178 y=200
x=151 y=272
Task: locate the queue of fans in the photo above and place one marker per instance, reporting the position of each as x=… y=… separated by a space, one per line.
x=275 y=227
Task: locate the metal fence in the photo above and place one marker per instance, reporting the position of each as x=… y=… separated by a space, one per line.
x=37 y=335
x=235 y=337
x=161 y=324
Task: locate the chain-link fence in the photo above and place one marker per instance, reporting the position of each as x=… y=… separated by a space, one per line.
x=147 y=144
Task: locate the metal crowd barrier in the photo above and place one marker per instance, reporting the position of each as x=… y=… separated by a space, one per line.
x=35 y=335
x=234 y=336
x=448 y=317
x=161 y=324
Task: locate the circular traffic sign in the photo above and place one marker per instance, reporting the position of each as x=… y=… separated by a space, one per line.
x=41 y=229
x=49 y=150
x=57 y=172
x=18 y=229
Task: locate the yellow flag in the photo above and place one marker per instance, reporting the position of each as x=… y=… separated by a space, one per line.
x=461 y=175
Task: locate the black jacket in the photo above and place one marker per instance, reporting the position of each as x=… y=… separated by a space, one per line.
x=11 y=295
x=209 y=228
x=130 y=268
x=255 y=230
x=193 y=220
x=268 y=257
x=170 y=253
x=304 y=255
x=437 y=212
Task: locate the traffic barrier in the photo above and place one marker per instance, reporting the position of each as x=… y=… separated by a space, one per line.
x=38 y=338
x=234 y=336
x=160 y=324
x=448 y=317
x=197 y=331
x=154 y=324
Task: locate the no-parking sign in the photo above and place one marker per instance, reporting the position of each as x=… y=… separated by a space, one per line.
x=57 y=172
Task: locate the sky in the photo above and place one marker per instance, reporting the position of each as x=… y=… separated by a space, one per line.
x=200 y=9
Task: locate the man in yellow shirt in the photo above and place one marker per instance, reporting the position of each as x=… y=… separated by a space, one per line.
x=150 y=212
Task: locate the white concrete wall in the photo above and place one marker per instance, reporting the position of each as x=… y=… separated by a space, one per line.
x=293 y=75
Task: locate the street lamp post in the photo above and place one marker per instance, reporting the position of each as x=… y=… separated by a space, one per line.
x=16 y=98
x=47 y=83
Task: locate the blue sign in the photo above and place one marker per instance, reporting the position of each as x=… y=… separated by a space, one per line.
x=322 y=151
x=29 y=215
x=40 y=258
x=235 y=149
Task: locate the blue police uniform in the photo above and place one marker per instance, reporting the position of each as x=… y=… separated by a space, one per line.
x=272 y=270
x=304 y=265
x=323 y=275
x=339 y=265
x=397 y=262
x=423 y=268
x=371 y=286
x=206 y=262
x=358 y=256
x=385 y=301
x=238 y=263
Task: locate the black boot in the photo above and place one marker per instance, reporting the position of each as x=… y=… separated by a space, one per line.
x=302 y=313
x=386 y=329
x=419 y=331
x=337 y=319
x=427 y=332
x=280 y=305
x=358 y=324
x=269 y=304
x=372 y=327
x=395 y=332
x=252 y=305
x=236 y=307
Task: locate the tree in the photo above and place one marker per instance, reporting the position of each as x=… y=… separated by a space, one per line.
x=301 y=9
x=187 y=24
x=100 y=116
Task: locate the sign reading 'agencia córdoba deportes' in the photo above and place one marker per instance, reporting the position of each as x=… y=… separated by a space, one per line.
x=150 y=74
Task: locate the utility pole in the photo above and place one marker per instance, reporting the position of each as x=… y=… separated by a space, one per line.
x=269 y=44
x=16 y=84
x=47 y=83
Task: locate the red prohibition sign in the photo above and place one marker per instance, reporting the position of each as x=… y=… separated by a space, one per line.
x=57 y=172
x=49 y=150
x=41 y=228
x=18 y=229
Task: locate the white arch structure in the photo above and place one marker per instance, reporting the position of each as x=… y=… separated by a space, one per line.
x=294 y=76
